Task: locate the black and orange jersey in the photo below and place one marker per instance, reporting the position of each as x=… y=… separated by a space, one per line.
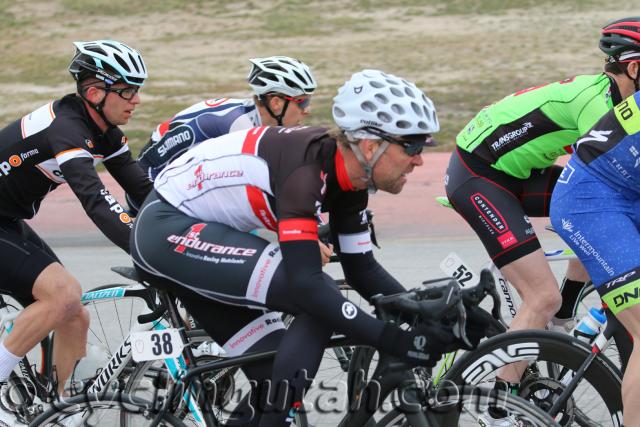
x=58 y=143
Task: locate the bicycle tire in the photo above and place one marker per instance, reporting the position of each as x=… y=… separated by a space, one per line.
x=563 y=351
x=95 y=407
x=474 y=402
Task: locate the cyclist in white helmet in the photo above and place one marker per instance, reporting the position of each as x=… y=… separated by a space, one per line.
x=206 y=202
x=61 y=142
x=282 y=89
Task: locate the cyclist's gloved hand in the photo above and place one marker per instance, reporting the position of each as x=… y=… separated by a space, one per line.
x=478 y=322
x=423 y=345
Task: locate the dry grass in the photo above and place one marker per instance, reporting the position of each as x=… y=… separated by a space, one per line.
x=463 y=53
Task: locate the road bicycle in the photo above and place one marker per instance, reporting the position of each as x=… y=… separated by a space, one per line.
x=418 y=403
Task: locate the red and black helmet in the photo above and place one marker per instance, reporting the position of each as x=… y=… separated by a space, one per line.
x=620 y=39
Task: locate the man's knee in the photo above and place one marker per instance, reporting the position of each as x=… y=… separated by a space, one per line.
x=56 y=288
x=546 y=299
x=82 y=319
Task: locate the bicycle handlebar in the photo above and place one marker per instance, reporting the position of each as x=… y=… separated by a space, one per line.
x=154 y=315
x=441 y=302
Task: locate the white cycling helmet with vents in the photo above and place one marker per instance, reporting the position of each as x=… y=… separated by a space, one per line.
x=108 y=60
x=280 y=74
x=374 y=99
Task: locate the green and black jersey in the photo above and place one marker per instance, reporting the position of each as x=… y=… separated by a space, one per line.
x=531 y=128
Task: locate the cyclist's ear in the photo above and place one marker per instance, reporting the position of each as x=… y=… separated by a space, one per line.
x=369 y=147
x=633 y=69
x=275 y=103
x=94 y=94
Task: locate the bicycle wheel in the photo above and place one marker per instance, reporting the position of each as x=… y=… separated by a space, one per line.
x=552 y=357
x=469 y=406
x=114 y=310
x=101 y=410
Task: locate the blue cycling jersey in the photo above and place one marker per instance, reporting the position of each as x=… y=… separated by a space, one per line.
x=611 y=149
x=206 y=119
x=596 y=204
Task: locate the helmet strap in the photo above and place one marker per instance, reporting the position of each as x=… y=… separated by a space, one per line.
x=368 y=165
x=99 y=107
x=279 y=117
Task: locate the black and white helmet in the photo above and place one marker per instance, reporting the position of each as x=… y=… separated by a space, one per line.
x=108 y=60
x=373 y=99
x=280 y=74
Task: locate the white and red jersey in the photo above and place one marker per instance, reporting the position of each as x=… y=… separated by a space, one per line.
x=268 y=177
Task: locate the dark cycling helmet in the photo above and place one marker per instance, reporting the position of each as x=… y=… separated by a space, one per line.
x=108 y=60
x=620 y=39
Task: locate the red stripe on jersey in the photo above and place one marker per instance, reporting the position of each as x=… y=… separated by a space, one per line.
x=215 y=102
x=341 y=172
x=260 y=207
x=251 y=140
x=257 y=199
x=297 y=229
x=164 y=127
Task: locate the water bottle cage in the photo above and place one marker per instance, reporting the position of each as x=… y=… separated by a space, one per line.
x=579 y=334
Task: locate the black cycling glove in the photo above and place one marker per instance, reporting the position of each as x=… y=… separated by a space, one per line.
x=478 y=323
x=423 y=345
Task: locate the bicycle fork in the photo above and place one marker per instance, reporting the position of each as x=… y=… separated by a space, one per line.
x=176 y=368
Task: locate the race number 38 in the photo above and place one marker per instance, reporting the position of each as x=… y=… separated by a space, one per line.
x=156 y=345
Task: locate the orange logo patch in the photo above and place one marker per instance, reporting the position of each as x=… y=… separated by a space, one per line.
x=124 y=217
x=15 y=161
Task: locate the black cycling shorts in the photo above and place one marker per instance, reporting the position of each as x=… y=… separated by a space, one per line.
x=205 y=264
x=24 y=255
x=498 y=206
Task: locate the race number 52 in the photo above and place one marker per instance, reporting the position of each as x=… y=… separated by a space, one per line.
x=156 y=344
x=453 y=266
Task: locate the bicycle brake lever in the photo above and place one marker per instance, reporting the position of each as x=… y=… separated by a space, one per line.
x=490 y=285
x=460 y=327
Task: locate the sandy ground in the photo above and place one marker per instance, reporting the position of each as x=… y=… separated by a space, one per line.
x=199 y=50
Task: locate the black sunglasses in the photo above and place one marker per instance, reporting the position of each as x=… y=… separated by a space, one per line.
x=411 y=148
x=126 y=93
